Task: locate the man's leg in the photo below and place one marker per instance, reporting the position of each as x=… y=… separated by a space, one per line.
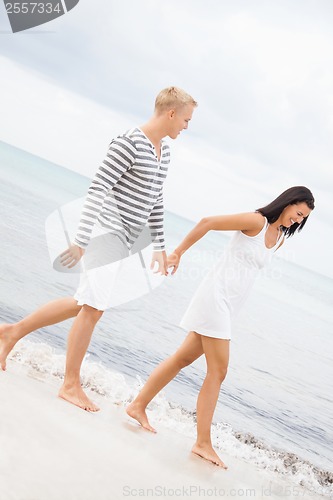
x=53 y=312
x=96 y=287
x=78 y=343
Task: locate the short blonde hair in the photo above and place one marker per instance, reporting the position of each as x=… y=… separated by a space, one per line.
x=173 y=97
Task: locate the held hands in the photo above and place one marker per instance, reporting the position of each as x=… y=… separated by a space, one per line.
x=173 y=261
x=71 y=256
x=165 y=262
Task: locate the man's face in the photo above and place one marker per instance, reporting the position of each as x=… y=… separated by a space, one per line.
x=179 y=119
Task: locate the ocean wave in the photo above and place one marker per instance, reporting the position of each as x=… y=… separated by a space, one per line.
x=117 y=390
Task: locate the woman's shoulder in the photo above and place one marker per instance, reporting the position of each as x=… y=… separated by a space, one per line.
x=258 y=222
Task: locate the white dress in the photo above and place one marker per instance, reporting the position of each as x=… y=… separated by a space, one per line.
x=227 y=285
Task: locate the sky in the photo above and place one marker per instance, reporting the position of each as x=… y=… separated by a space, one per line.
x=261 y=71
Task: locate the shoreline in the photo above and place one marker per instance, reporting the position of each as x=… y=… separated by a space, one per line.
x=52 y=449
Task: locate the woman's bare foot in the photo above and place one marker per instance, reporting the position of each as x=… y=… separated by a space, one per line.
x=138 y=413
x=7 y=342
x=77 y=397
x=208 y=453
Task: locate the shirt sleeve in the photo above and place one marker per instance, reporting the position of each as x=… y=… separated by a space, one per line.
x=119 y=158
x=156 y=224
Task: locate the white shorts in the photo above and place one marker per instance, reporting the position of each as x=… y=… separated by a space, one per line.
x=103 y=284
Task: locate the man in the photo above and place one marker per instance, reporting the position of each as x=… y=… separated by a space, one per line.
x=126 y=193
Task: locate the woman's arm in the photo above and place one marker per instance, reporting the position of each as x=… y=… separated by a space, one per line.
x=251 y=221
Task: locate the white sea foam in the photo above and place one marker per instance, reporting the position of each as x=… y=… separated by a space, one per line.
x=117 y=390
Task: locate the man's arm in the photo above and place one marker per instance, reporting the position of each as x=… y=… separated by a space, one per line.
x=156 y=226
x=119 y=158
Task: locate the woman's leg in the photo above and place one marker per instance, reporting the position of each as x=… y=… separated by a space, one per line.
x=77 y=345
x=48 y=314
x=189 y=351
x=217 y=358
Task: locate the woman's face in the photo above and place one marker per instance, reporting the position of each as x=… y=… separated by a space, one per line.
x=294 y=213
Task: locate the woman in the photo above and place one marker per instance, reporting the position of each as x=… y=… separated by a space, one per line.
x=219 y=297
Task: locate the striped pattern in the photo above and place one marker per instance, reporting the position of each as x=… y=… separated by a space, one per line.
x=126 y=192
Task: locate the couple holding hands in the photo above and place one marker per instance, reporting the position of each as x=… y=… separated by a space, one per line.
x=126 y=195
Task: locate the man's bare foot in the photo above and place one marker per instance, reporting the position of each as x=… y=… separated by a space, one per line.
x=208 y=453
x=77 y=397
x=138 y=413
x=7 y=342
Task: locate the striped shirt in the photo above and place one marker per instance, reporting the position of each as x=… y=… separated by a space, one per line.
x=126 y=192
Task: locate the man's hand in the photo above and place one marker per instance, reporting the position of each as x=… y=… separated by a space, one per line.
x=71 y=256
x=161 y=259
x=173 y=261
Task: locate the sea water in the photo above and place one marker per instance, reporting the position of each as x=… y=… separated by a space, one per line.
x=275 y=407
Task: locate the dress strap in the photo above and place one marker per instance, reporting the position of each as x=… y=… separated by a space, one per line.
x=279 y=235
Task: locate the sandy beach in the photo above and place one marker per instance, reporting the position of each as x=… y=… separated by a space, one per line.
x=52 y=450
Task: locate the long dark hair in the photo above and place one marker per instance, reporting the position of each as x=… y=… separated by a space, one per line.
x=292 y=196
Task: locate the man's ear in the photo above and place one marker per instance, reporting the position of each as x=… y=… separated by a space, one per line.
x=171 y=113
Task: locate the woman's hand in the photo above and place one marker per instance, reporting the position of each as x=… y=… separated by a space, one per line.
x=71 y=256
x=173 y=261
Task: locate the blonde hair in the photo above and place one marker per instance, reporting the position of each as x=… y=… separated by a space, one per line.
x=173 y=97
